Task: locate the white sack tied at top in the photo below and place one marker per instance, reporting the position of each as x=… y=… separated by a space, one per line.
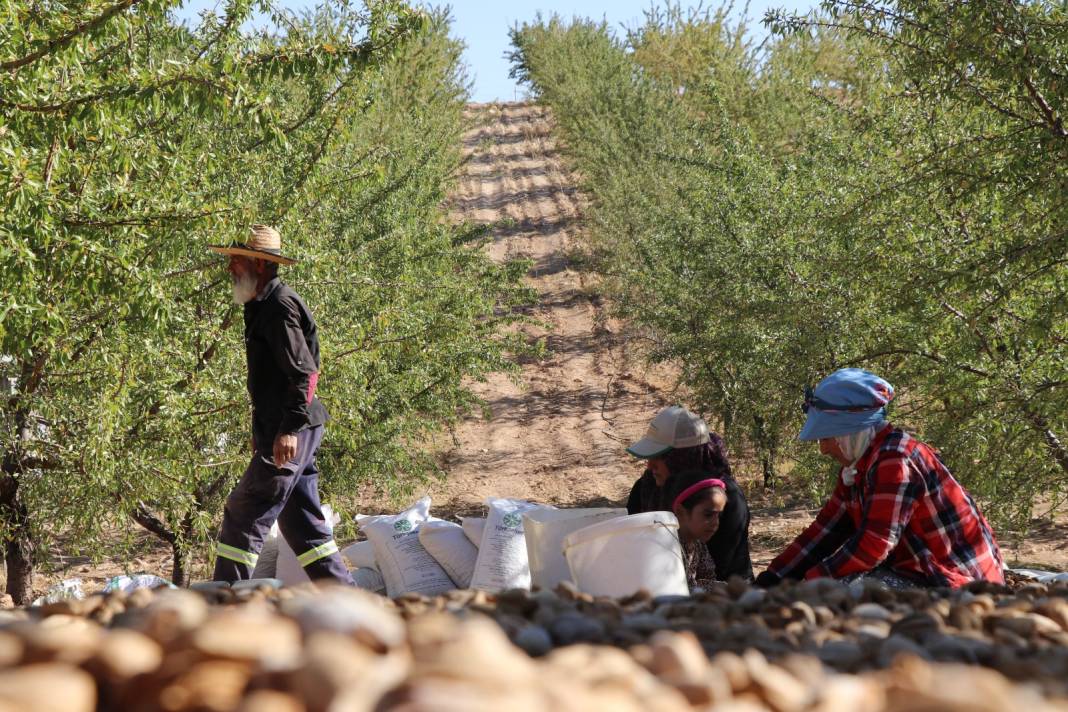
x=402 y=560
x=502 y=553
x=449 y=545
x=361 y=557
x=473 y=527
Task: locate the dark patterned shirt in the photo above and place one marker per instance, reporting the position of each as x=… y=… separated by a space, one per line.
x=700 y=568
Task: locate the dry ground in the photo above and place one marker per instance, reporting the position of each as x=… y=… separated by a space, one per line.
x=557 y=434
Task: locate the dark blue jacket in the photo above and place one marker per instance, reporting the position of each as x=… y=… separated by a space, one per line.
x=282 y=348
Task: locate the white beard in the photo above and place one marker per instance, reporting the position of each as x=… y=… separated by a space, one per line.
x=244 y=288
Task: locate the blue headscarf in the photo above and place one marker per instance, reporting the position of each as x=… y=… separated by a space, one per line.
x=847 y=401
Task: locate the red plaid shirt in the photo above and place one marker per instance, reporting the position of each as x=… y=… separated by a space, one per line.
x=906 y=512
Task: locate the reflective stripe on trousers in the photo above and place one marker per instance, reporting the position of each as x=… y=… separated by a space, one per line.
x=290 y=496
x=319 y=552
x=234 y=554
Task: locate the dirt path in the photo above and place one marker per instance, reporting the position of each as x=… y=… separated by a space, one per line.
x=558 y=434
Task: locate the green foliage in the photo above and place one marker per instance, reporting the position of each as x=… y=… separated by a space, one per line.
x=876 y=185
x=127 y=144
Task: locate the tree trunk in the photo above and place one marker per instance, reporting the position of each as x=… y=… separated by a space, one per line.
x=766 y=450
x=144 y=516
x=179 y=543
x=180 y=563
x=18 y=547
x=180 y=539
x=19 y=562
x=767 y=462
x=182 y=554
x=15 y=518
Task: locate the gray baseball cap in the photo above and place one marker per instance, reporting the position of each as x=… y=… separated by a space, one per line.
x=674 y=427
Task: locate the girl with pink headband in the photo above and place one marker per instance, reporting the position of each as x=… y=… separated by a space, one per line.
x=698 y=500
x=678 y=441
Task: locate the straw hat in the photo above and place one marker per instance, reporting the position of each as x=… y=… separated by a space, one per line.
x=263 y=244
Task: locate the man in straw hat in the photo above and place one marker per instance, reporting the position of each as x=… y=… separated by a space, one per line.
x=281 y=483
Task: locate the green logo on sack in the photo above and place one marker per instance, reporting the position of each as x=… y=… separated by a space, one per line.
x=402 y=525
x=512 y=520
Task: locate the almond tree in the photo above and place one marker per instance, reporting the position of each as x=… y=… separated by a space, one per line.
x=127 y=144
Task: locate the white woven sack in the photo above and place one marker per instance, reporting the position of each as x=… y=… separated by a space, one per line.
x=473 y=527
x=360 y=555
x=403 y=562
x=267 y=564
x=502 y=554
x=545 y=530
x=288 y=568
x=448 y=543
x=369 y=579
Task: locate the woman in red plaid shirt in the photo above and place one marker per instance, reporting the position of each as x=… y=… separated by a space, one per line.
x=897 y=514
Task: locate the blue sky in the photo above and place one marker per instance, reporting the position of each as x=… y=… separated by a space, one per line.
x=483 y=26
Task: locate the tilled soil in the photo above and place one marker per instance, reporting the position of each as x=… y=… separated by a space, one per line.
x=557 y=433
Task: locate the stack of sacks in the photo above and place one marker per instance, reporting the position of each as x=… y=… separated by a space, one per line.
x=361 y=556
x=417 y=553
x=443 y=540
x=404 y=562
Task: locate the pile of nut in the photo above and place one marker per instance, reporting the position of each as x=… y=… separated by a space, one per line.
x=1021 y=631
x=818 y=646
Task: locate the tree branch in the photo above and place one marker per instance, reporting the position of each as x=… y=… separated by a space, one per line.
x=50 y=162
x=113 y=93
x=1057 y=450
x=937 y=358
x=309 y=114
x=147 y=220
x=152 y=523
x=1056 y=125
x=57 y=43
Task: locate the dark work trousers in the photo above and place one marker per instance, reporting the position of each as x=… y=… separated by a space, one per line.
x=290 y=495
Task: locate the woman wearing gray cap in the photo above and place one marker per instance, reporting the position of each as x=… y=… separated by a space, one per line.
x=678 y=442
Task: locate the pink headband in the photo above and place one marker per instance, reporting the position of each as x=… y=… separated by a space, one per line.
x=697 y=487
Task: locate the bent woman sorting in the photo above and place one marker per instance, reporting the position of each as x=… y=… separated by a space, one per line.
x=897 y=514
